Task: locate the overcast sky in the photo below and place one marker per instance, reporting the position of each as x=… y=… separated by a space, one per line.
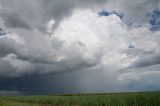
x=79 y=46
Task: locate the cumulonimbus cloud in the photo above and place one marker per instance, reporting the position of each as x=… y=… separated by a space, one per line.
x=50 y=36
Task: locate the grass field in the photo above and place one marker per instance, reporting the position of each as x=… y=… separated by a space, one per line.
x=110 y=99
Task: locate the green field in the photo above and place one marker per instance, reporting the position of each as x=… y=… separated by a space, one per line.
x=110 y=99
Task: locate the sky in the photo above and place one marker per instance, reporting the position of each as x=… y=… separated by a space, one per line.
x=79 y=46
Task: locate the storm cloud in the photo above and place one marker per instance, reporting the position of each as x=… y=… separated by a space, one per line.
x=51 y=38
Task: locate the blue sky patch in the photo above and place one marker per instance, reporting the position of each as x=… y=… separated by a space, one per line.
x=106 y=13
x=130 y=46
x=127 y=21
x=154 y=20
x=103 y=13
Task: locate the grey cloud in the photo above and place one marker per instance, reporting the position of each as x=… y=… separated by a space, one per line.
x=84 y=81
x=14 y=20
x=2 y=32
x=8 y=46
x=140 y=79
x=35 y=14
x=34 y=52
x=11 y=66
x=144 y=58
x=29 y=58
x=147 y=60
x=135 y=10
x=60 y=9
x=5 y=68
x=42 y=54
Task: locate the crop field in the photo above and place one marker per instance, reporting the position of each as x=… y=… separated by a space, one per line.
x=108 y=99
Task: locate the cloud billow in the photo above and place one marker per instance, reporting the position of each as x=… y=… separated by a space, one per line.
x=57 y=36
